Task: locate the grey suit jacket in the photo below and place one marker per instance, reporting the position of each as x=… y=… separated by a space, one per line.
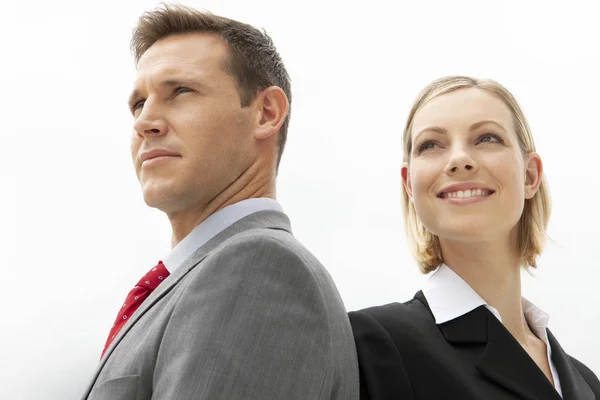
x=251 y=314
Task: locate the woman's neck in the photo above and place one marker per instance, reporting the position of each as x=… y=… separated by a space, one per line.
x=494 y=272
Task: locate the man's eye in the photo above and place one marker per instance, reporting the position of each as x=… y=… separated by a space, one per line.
x=180 y=90
x=137 y=105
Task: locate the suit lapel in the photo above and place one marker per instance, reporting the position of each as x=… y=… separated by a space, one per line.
x=573 y=386
x=503 y=360
x=154 y=297
x=267 y=219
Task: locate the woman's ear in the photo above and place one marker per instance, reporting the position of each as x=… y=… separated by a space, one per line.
x=533 y=174
x=406 y=180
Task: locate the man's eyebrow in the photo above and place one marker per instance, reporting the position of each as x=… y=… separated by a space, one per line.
x=181 y=82
x=166 y=83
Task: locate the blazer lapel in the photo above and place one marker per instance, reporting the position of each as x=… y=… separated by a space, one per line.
x=573 y=386
x=154 y=297
x=260 y=220
x=503 y=360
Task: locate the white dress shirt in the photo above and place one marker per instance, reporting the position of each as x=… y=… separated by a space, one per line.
x=213 y=225
x=450 y=297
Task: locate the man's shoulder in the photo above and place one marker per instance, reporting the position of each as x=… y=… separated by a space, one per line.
x=264 y=255
x=275 y=238
x=271 y=247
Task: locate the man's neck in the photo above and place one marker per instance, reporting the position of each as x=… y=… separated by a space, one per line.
x=184 y=221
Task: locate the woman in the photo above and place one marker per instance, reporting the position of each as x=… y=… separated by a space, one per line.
x=476 y=206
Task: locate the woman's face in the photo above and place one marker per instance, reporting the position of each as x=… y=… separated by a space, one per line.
x=467 y=176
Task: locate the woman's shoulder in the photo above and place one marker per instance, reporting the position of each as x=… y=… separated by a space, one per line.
x=381 y=334
x=587 y=374
x=393 y=318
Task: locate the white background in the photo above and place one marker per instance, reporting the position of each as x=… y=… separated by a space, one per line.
x=75 y=232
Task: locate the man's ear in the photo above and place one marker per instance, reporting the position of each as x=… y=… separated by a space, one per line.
x=533 y=174
x=272 y=107
x=406 y=180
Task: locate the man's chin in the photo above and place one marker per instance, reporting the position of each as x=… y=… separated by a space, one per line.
x=157 y=197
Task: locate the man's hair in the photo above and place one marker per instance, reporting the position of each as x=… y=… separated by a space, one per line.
x=253 y=59
x=425 y=245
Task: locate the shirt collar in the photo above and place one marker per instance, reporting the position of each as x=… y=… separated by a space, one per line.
x=214 y=225
x=450 y=297
x=536 y=317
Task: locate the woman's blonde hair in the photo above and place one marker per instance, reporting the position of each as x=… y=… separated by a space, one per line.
x=534 y=220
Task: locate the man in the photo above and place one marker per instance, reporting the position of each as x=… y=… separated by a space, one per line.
x=238 y=309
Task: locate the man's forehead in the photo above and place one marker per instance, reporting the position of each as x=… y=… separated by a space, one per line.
x=167 y=65
x=166 y=70
x=189 y=48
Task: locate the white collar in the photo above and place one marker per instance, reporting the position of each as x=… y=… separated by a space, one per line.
x=214 y=225
x=450 y=297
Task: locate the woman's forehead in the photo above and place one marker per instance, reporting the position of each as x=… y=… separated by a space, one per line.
x=461 y=109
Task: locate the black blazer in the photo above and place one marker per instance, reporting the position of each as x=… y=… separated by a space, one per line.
x=404 y=355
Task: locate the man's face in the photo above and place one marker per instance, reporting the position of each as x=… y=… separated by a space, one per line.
x=191 y=137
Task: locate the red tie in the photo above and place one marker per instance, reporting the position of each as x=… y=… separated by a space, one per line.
x=135 y=298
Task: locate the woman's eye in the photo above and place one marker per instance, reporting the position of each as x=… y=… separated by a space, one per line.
x=490 y=138
x=426 y=146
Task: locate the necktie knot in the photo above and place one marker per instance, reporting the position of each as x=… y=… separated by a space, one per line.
x=136 y=297
x=154 y=277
